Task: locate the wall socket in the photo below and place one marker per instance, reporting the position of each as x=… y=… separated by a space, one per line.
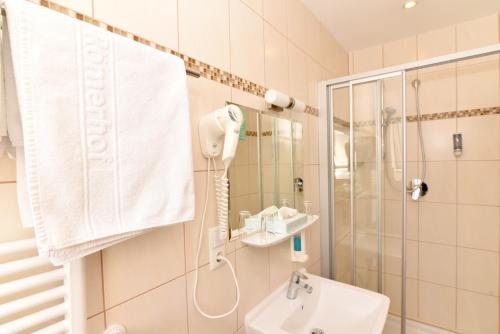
x=216 y=246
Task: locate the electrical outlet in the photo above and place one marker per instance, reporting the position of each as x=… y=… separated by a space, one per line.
x=216 y=247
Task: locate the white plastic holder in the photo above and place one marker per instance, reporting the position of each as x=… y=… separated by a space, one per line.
x=299 y=256
x=216 y=247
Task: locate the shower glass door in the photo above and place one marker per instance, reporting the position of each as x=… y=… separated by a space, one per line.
x=368 y=148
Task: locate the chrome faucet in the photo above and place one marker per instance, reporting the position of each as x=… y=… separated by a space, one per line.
x=296 y=283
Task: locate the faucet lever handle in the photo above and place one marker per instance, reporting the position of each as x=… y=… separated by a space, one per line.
x=300 y=275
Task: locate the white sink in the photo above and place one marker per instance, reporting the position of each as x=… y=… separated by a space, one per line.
x=333 y=307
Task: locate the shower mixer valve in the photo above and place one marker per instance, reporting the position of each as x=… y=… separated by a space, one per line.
x=417 y=188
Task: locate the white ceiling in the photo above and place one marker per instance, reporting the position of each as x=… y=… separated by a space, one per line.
x=361 y=23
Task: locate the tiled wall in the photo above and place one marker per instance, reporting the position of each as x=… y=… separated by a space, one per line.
x=146 y=283
x=454 y=231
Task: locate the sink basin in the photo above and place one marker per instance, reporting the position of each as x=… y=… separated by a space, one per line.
x=332 y=308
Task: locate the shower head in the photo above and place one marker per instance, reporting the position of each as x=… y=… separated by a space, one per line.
x=415 y=83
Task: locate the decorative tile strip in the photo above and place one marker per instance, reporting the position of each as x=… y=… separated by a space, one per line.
x=429 y=117
x=267 y=133
x=205 y=70
x=251 y=133
x=456 y=114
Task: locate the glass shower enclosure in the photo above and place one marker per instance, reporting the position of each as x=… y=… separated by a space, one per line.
x=364 y=171
x=368 y=150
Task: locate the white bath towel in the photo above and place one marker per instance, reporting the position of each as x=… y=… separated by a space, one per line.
x=101 y=129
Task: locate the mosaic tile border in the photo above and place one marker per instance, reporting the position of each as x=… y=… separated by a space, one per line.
x=205 y=70
x=429 y=117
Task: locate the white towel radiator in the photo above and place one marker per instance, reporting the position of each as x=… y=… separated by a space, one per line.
x=35 y=296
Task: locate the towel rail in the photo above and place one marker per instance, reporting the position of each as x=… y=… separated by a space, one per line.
x=34 y=319
x=189 y=71
x=27 y=291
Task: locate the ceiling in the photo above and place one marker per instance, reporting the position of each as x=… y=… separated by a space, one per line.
x=357 y=24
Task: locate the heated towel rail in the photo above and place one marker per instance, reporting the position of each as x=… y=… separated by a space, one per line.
x=35 y=296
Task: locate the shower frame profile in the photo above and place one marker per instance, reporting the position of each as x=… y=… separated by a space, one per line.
x=326 y=154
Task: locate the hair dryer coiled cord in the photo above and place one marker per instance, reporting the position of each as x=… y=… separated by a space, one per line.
x=222 y=197
x=221 y=206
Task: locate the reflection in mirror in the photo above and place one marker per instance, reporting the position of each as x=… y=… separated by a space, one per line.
x=243 y=174
x=276 y=152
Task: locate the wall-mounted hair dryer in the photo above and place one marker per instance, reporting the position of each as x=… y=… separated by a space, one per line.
x=219 y=132
x=221 y=126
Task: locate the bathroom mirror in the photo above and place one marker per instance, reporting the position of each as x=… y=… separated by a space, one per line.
x=243 y=174
x=268 y=166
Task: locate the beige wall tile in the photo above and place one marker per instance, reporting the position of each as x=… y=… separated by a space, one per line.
x=478 y=33
x=441 y=79
x=438 y=223
x=280 y=265
x=478 y=271
x=400 y=51
x=252 y=267
x=160 y=26
x=367 y=59
x=393 y=254
x=392 y=288
x=314 y=76
x=311 y=186
x=239 y=180
x=437 y=304
x=12 y=228
x=93 y=287
x=216 y=295
x=137 y=265
x=313 y=46
x=313 y=248
x=393 y=221
x=366 y=279
x=207 y=21
x=84 y=7
x=329 y=50
x=442 y=181
x=476 y=313
x=297 y=22
x=162 y=310
x=255 y=5
x=315 y=268
x=192 y=228
x=297 y=69
x=412 y=142
x=313 y=147
x=366 y=251
x=275 y=14
x=482 y=72
x=479 y=227
x=481 y=137
x=95 y=325
x=205 y=96
x=7 y=169
x=276 y=59
x=478 y=182
x=437 y=263
x=438 y=140
x=436 y=43
x=247 y=42
x=340 y=65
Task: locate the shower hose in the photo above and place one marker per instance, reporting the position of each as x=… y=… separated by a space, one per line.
x=222 y=195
